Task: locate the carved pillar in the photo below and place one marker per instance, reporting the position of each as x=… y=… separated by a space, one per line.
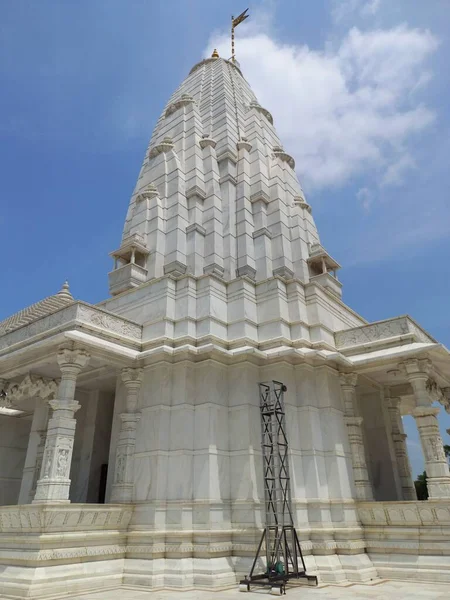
x=42 y=436
x=123 y=486
x=54 y=483
x=436 y=466
x=35 y=450
x=401 y=451
x=363 y=486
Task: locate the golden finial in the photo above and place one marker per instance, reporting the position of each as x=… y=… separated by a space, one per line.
x=215 y=54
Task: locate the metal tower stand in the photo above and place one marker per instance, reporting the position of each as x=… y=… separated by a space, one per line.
x=279 y=539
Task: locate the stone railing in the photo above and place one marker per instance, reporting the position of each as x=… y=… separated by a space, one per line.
x=34 y=537
x=381 y=331
x=404 y=514
x=47 y=518
x=408 y=539
x=79 y=315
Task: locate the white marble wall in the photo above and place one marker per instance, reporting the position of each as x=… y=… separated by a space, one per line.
x=199 y=478
x=14 y=434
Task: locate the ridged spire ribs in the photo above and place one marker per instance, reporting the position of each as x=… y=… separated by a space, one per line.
x=226 y=198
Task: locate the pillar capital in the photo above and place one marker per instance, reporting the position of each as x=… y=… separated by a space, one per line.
x=394 y=402
x=71 y=359
x=132 y=377
x=426 y=411
x=419 y=367
x=348 y=380
x=72 y=405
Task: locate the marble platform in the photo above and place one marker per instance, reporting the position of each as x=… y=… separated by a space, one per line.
x=392 y=590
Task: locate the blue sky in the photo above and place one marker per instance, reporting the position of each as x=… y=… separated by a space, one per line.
x=359 y=90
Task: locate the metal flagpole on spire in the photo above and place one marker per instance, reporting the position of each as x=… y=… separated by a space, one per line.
x=234 y=23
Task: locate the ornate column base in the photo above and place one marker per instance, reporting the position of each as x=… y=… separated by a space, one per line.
x=50 y=491
x=438 y=487
x=122 y=493
x=363 y=490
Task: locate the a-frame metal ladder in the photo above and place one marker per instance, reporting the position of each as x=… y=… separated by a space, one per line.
x=279 y=540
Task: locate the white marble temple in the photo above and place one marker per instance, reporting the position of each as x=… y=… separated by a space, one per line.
x=220 y=282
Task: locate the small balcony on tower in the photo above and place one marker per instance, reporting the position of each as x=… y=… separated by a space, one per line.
x=323 y=269
x=129 y=265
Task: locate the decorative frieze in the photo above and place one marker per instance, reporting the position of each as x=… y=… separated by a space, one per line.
x=382 y=330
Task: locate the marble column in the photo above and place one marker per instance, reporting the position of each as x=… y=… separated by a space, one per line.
x=123 y=486
x=54 y=482
x=354 y=423
x=436 y=466
x=35 y=452
x=400 y=448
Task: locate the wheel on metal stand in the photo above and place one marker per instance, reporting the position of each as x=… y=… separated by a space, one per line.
x=244 y=587
x=276 y=590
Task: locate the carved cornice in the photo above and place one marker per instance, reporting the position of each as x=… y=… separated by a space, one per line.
x=227 y=155
x=184 y=100
x=301 y=202
x=196 y=191
x=278 y=152
x=254 y=105
x=283 y=273
x=228 y=177
x=206 y=142
x=165 y=146
x=262 y=231
x=260 y=197
x=151 y=191
x=244 y=144
x=195 y=227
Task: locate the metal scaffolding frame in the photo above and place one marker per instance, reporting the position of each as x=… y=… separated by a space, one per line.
x=279 y=538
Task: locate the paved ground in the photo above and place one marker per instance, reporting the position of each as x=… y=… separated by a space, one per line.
x=392 y=590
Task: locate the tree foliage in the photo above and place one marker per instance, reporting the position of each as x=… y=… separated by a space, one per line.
x=421 y=486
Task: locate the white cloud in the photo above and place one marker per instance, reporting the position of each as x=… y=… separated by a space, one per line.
x=345 y=9
x=345 y=111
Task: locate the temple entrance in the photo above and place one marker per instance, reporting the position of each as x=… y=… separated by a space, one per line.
x=91 y=447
